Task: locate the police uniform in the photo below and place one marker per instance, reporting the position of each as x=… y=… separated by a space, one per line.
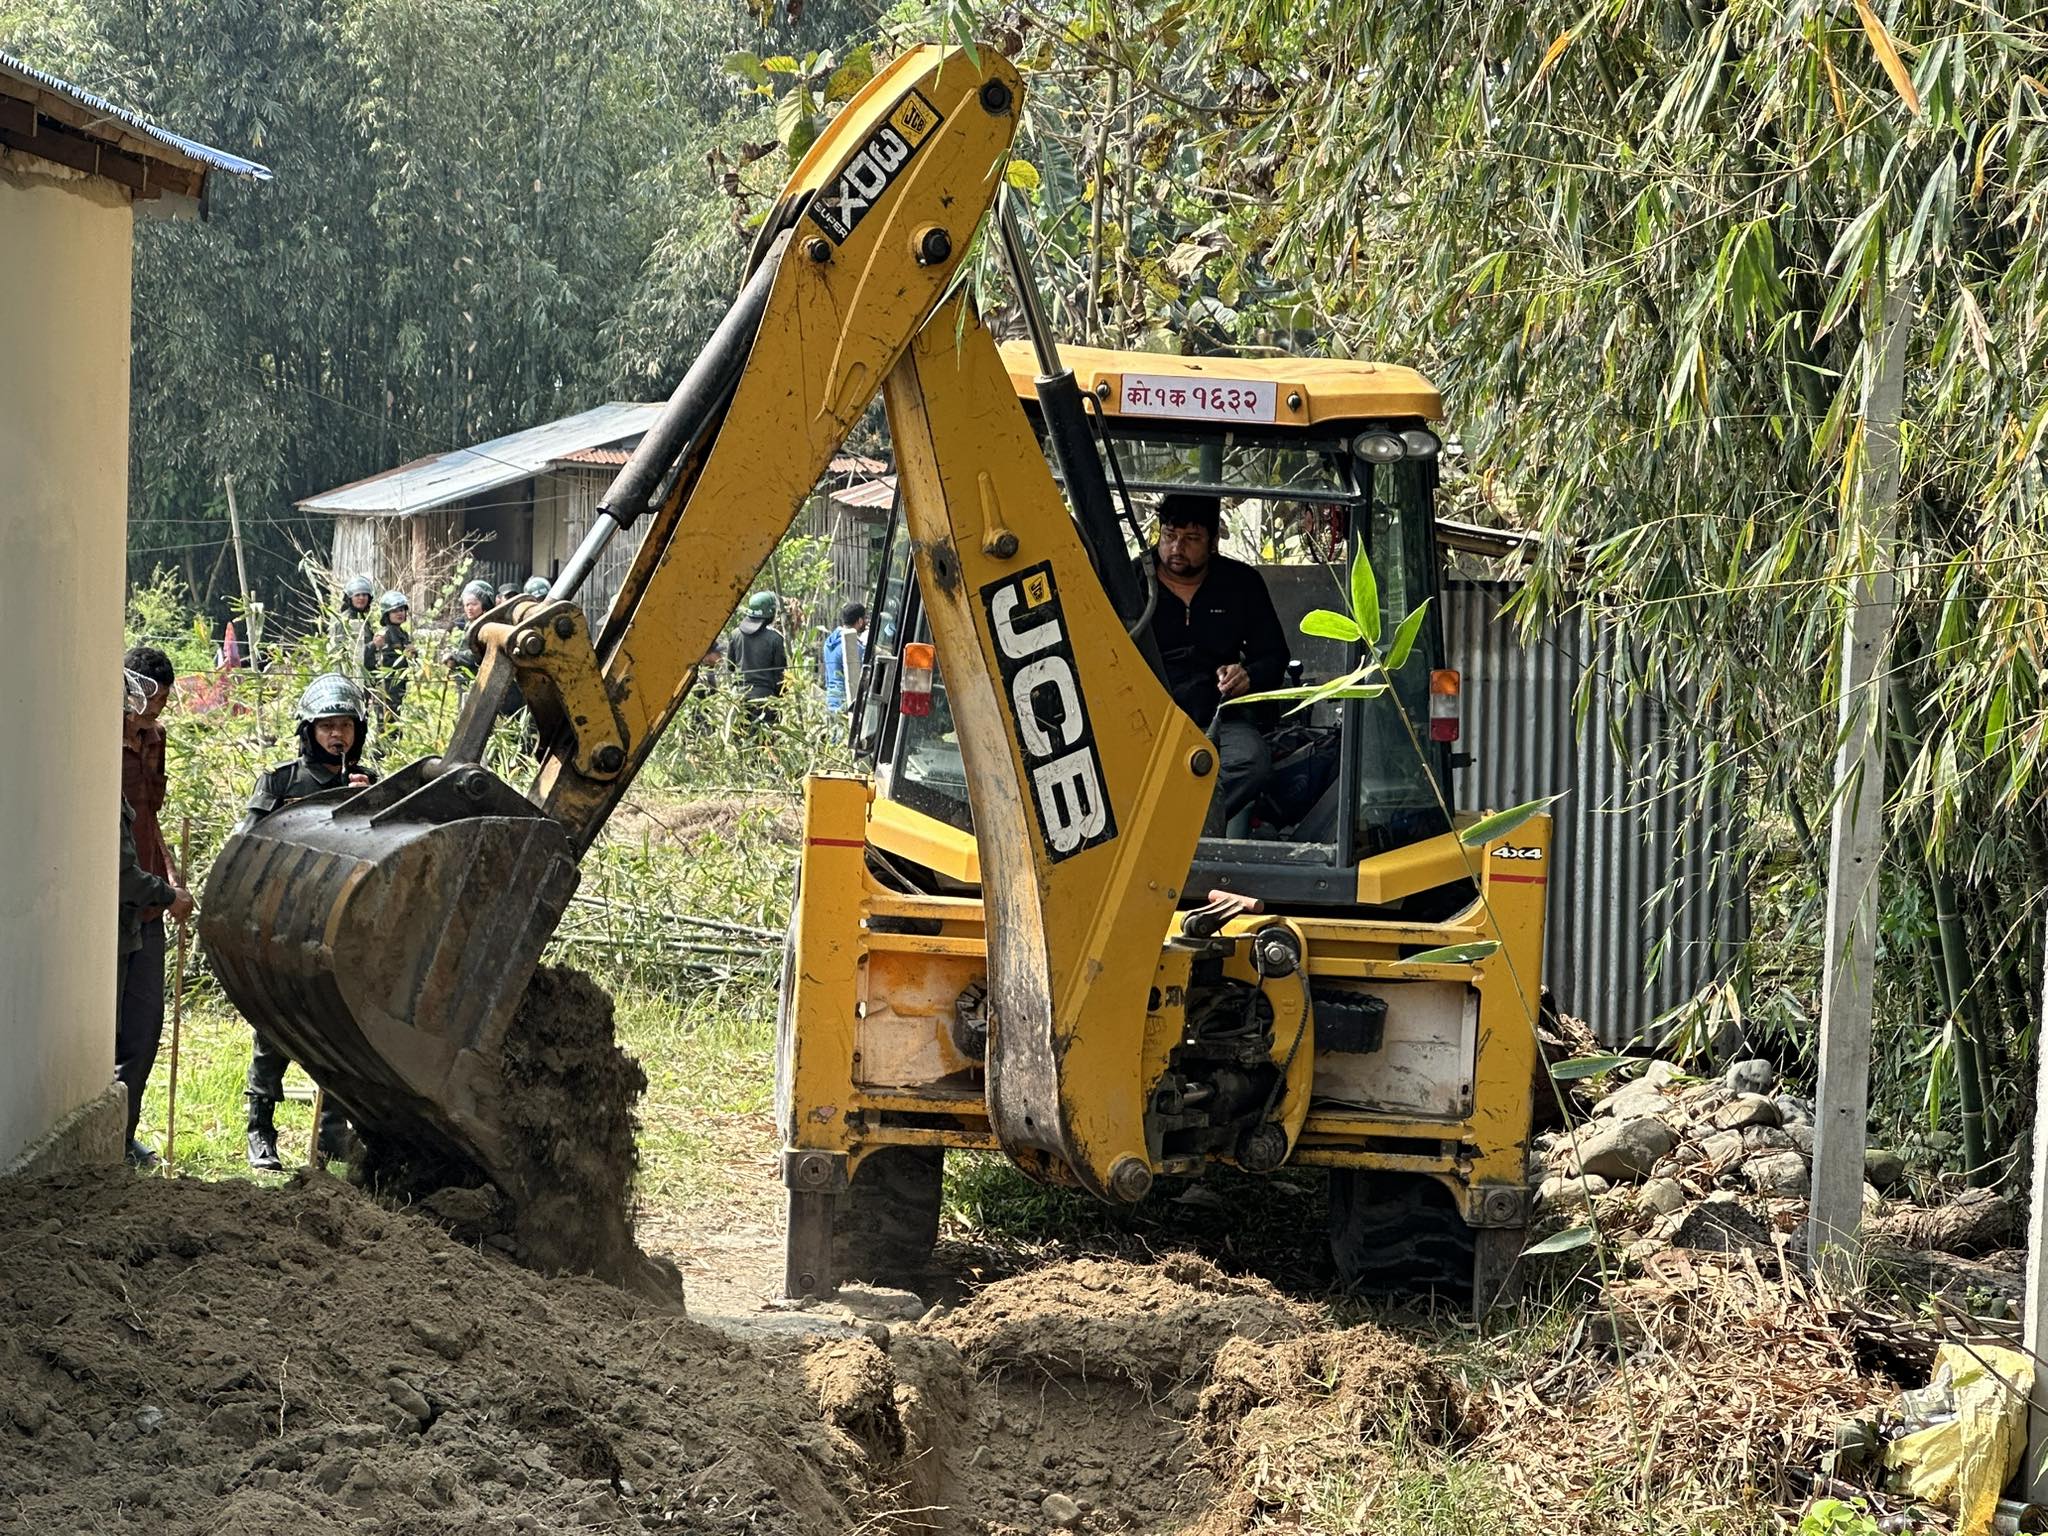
x=275 y=789
x=386 y=660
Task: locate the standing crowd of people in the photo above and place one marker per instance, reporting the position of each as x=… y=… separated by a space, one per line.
x=334 y=719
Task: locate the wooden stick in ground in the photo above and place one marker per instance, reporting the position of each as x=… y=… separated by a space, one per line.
x=313 y=1157
x=177 y=1002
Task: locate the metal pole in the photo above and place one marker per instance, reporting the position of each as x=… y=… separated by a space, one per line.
x=248 y=606
x=1855 y=847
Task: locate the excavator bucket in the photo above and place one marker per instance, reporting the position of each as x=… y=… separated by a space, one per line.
x=385 y=936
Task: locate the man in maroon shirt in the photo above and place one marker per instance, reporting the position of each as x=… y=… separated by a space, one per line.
x=139 y=1011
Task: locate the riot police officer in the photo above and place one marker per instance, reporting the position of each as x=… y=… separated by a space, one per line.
x=333 y=725
x=477 y=600
x=355 y=628
x=537 y=586
x=388 y=652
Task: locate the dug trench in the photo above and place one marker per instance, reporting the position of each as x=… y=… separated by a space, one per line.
x=195 y=1357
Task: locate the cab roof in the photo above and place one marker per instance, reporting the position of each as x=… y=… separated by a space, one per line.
x=1283 y=391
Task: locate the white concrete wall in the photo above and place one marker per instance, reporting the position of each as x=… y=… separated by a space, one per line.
x=65 y=261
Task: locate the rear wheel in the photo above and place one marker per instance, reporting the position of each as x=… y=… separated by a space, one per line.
x=1395 y=1232
x=887 y=1222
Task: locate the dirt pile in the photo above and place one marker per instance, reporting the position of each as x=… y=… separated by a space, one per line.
x=1276 y=1415
x=567 y=1098
x=1057 y=1400
x=188 y=1357
x=1156 y=1328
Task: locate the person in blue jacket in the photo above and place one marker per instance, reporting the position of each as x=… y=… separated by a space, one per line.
x=844 y=649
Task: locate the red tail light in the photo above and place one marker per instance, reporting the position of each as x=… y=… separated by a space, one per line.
x=1443 y=705
x=914 y=695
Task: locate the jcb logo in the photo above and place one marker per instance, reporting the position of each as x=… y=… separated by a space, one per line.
x=1043 y=690
x=838 y=208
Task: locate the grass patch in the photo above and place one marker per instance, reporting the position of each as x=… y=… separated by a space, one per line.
x=1403 y=1487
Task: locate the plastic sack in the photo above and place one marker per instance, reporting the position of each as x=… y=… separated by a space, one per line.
x=1974 y=1434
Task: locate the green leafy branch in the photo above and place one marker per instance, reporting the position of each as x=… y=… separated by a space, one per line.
x=1362 y=626
x=805 y=90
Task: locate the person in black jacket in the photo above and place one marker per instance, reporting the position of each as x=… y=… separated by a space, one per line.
x=759 y=655
x=1219 y=638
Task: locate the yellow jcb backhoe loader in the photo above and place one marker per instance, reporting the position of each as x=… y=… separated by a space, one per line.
x=1005 y=937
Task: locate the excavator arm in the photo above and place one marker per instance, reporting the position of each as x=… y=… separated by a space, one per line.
x=386 y=936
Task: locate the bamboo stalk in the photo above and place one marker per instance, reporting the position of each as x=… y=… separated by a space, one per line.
x=1952 y=948
x=177 y=1003
x=313 y=1157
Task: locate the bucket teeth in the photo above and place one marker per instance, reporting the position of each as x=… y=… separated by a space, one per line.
x=384 y=939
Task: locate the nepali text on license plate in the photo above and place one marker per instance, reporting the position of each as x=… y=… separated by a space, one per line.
x=1146 y=394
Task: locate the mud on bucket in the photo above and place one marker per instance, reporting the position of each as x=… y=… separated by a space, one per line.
x=384 y=938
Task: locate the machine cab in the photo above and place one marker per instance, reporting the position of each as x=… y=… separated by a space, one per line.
x=1312 y=460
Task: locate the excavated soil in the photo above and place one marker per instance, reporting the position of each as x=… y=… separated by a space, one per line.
x=567 y=1097
x=192 y=1357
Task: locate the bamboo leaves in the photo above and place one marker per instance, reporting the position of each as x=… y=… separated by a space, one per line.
x=1887 y=53
x=1362 y=626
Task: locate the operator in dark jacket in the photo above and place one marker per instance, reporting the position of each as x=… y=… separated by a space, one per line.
x=1219 y=637
x=333 y=723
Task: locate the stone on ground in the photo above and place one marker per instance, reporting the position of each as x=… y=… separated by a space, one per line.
x=1628 y=1150
x=1753 y=1076
x=1778 y=1173
x=1884 y=1168
x=1746 y=1109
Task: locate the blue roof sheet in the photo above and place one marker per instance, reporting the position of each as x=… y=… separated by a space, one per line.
x=203 y=155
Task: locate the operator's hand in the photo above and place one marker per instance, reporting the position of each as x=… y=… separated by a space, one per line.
x=180 y=907
x=1232 y=680
x=359 y=781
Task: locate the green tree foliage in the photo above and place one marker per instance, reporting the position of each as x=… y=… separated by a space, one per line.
x=485 y=215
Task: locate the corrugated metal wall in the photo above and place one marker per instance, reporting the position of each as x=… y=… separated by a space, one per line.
x=1617 y=839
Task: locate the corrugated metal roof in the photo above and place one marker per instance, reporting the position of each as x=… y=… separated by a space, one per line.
x=856 y=464
x=874 y=493
x=432 y=482
x=181 y=150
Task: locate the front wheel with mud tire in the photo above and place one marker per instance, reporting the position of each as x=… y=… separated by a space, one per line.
x=1399 y=1233
x=885 y=1225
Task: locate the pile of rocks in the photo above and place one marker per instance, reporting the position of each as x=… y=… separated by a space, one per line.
x=1679 y=1138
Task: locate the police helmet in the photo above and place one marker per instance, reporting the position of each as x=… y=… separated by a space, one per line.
x=507 y=590
x=762 y=605
x=482 y=591
x=389 y=604
x=331 y=694
x=359 y=586
x=537 y=586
